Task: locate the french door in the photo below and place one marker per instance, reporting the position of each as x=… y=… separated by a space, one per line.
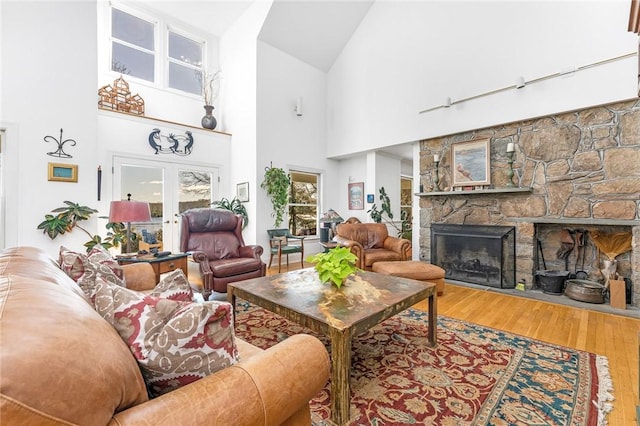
x=170 y=189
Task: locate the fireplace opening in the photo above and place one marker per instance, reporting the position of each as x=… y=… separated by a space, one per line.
x=479 y=254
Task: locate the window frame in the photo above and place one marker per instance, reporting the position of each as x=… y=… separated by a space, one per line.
x=317 y=206
x=167 y=60
x=162 y=30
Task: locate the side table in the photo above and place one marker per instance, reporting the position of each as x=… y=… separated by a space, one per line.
x=329 y=245
x=161 y=264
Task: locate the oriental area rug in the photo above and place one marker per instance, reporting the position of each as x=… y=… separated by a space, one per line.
x=475 y=376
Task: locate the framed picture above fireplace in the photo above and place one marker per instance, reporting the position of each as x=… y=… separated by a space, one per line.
x=470 y=163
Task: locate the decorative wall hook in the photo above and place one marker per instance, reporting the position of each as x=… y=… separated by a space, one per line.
x=60 y=151
x=171 y=144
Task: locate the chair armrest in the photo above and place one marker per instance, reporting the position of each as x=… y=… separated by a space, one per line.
x=398 y=245
x=266 y=389
x=275 y=242
x=251 y=251
x=355 y=247
x=139 y=276
x=205 y=269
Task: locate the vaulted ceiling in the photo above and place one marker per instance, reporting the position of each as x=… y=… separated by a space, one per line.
x=314 y=31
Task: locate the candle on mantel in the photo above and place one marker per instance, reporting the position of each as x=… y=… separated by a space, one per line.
x=436 y=158
x=510 y=147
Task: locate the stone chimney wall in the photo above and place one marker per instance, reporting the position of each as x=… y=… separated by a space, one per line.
x=582 y=168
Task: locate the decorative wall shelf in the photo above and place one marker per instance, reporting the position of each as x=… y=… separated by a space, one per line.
x=175 y=123
x=474 y=192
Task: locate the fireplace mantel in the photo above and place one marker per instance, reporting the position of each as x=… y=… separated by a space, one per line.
x=474 y=192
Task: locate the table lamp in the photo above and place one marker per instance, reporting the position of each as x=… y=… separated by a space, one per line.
x=332 y=217
x=129 y=211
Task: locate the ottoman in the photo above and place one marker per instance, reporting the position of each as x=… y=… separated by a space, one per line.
x=414 y=270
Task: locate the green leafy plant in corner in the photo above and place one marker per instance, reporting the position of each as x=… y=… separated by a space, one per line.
x=277 y=183
x=66 y=219
x=234 y=206
x=404 y=231
x=335 y=265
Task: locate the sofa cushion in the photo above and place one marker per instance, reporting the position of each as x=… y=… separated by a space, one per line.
x=175 y=343
x=84 y=269
x=232 y=267
x=174 y=286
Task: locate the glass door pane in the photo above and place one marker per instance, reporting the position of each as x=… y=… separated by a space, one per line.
x=194 y=189
x=170 y=189
x=144 y=183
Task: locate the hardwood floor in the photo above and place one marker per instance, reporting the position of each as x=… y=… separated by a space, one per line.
x=614 y=336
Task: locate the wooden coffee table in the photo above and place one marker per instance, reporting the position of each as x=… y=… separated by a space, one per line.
x=362 y=302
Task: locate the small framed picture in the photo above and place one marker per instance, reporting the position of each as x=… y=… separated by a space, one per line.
x=63 y=172
x=470 y=163
x=242 y=192
x=370 y=199
x=356 y=196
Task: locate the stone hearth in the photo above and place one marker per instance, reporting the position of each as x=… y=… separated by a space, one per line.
x=578 y=169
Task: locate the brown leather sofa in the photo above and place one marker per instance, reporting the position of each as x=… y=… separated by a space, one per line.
x=214 y=237
x=62 y=363
x=371 y=243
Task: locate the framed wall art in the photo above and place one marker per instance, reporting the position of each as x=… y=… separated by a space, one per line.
x=356 y=196
x=242 y=192
x=470 y=163
x=63 y=172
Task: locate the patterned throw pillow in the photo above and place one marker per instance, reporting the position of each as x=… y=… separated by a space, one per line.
x=174 y=286
x=84 y=269
x=175 y=343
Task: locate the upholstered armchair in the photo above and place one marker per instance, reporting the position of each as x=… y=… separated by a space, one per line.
x=371 y=243
x=214 y=238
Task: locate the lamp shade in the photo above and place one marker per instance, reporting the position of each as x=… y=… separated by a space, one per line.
x=129 y=211
x=331 y=216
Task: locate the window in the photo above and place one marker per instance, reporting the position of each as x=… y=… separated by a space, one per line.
x=132 y=45
x=303 y=203
x=136 y=50
x=406 y=203
x=185 y=63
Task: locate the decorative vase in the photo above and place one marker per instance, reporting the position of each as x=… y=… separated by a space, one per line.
x=209 y=121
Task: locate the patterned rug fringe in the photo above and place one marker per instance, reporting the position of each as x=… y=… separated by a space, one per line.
x=605 y=390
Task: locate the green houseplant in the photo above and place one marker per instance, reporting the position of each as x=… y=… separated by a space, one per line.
x=234 y=206
x=277 y=183
x=335 y=265
x=377 y=215
x=66 y=218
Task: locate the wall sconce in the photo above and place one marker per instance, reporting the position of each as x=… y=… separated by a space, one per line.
x=447 y=102
x=520 y=83
x=298 y=107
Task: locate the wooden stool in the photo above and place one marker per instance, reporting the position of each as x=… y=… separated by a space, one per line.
x=414 y=270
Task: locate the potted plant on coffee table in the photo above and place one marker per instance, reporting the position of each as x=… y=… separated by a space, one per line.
x=334 y=266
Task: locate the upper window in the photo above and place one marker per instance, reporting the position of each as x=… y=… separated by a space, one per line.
x=303 y=203
x=132 y=45
x=137 y=49
x=185 y=63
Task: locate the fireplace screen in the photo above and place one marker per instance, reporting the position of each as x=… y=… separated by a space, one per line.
x=479 y=254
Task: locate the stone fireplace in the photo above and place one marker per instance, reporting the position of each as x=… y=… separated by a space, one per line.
x=573 y=171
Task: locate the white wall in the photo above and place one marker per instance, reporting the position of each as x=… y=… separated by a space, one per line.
x=238 y=59
x=289 y=141
x=352 y=170
x=409 y=56
x=47 y=85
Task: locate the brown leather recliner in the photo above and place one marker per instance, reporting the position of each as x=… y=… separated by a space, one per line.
x=214 y=238
x=371 y=243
